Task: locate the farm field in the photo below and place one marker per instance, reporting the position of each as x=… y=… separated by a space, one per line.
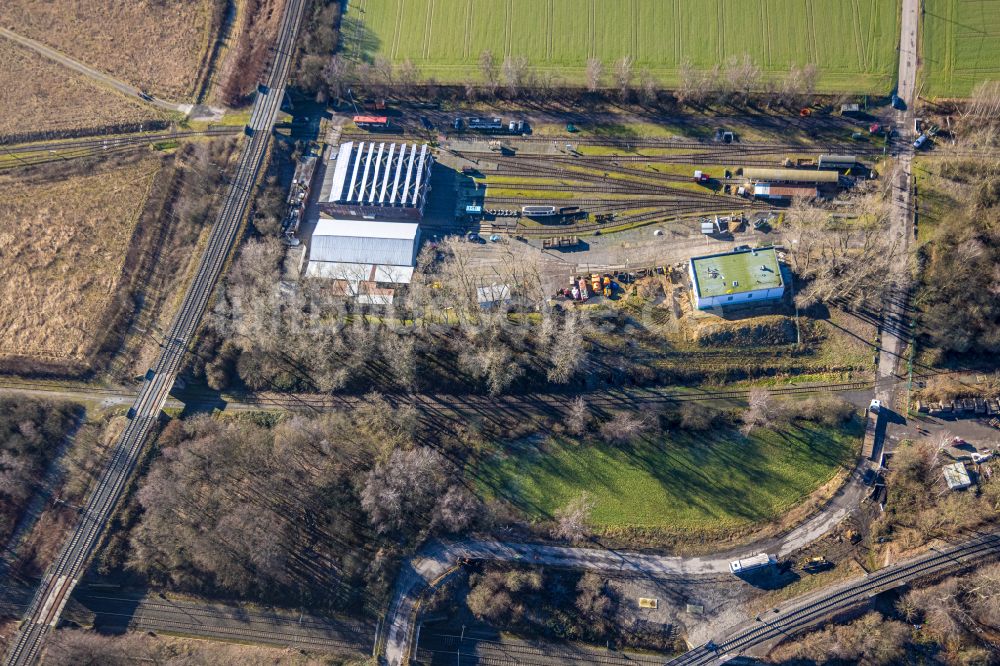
x=159 y=46
x=678 y=482
x=42 y=96
x=64 y=239
x=855 y=42
x=960 y=45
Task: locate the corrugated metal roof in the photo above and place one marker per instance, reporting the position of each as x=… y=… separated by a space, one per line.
x=364 y=242
x=792 y=175
x=356 y=273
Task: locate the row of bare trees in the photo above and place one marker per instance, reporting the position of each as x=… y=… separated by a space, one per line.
x=740 y=78
x=734 y=81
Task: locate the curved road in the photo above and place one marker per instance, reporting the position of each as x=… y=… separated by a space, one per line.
x=438 y=559
x=71 y=562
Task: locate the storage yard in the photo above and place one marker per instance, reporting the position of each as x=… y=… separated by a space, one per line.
x=854 y=44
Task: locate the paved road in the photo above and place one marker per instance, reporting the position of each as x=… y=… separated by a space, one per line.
x=895 y=328
x=107 y=80
x=809 y=610
x=64 y=573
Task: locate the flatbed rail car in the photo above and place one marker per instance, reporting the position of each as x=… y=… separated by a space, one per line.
x=539 y=211
x=371 y=123
x=752 y=563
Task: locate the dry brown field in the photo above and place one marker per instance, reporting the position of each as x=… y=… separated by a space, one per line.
x=160 y=46
x=42 y=96
x=64 y=241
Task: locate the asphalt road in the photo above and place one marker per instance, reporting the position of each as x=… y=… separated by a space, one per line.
x=895 y=330
x=70 y=564
x=105 y=79
x=809 y=610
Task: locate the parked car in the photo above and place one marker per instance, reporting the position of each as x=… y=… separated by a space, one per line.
x=425 y=121
x=919 y=143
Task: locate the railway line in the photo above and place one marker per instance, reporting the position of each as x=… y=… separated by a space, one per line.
x=229 y=623
x=799 y=617
x=449 y=649
x=30 y=154
x=69 y=565
x=435 y=402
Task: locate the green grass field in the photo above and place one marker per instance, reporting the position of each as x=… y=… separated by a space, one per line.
x=679 y=483
x=960 y=45
x=855 y=42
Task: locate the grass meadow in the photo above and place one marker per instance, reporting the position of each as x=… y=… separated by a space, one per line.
x=160 y=46
x=960 y=45
x=43 y=96
x=855 y=42
x=64 y=241
x=675 y=483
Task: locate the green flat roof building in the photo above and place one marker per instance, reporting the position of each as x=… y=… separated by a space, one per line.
x=736 y=278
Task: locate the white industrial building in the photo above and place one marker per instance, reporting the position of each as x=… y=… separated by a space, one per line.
x=361 y=255
x=744 y=277
x=377 y=180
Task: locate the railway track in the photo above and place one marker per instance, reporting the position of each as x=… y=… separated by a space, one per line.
x=30 y=154
x=448 y=648
x=69 y=565
x=664 y=143
x=225 y=623
x=982 y=547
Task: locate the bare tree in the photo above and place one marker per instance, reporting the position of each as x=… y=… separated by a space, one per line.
x=742 y=77
x=696 y=86
x=625 y=427
x=648 y=87
x=571 y=520
x=595 y=74
x=408 y=74
x=337 y=74
x=515 y=74
x=489 y=70
x=398 y=493
x=385 y=70
x=761 y=411
x=985 y=101
x=851 y=263
x=624 y=73
x=578 y=418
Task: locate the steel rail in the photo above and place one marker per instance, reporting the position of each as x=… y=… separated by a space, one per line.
x=62 y=576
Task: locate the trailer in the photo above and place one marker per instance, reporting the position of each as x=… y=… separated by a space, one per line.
x=752 y=563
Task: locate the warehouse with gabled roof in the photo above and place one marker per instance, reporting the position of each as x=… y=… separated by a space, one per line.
x=363 y=251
